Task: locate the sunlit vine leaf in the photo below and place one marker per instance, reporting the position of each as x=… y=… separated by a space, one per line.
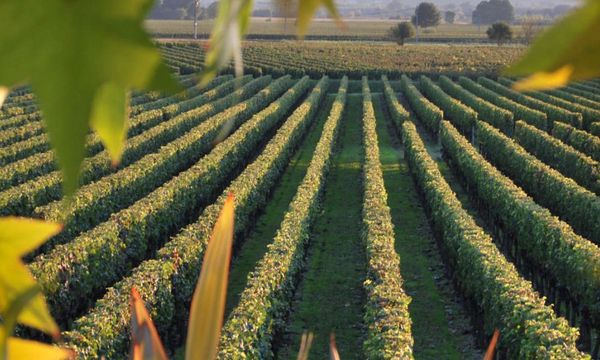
x=208 y=303
x=17 y=238
x=68 y=51
x=573 y=43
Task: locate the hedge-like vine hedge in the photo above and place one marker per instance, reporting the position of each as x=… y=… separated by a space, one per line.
x=501 y=298
x=177 y=265
x=386 y=317
x=73 y=274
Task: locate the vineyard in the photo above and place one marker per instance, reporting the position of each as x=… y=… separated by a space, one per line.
x=411 y=214
x=353 y=59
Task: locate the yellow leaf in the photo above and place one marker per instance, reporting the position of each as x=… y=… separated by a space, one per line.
x=109 y=118
x=18 y=237
x=145 y=343
x=3 y=94
x=545 y=80
x=28 y=349
x=15 y=280
x=208 y=304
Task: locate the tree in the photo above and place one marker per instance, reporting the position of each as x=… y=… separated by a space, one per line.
x=500 y=32
x=492 y=11
x=401 y=32
x=449 y=17
x=427 y=15
x=530 y=27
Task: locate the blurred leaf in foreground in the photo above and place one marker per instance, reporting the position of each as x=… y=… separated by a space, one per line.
x=145 y=343
x=233 y=20
x=308 y=8
x=544 y=81
x=18 y=237
x=491 y=350
x=333 y=351
x=3 y=94
x=568 y=51
x=305 y=344
x=28 y=349
x=230 y=27
x=69 y=51
x=208 y=303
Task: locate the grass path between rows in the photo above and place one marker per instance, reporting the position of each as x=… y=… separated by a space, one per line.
x=255 y=244
x=330 y=296
x=416 y=246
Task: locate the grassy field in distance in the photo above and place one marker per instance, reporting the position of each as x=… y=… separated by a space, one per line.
x=358 y=28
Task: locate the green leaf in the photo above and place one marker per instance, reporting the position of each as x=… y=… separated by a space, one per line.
x=68 y=50
x=208 y=303
x=572 y=42
x=18 y=237
x=307 y=9
x=109 y=118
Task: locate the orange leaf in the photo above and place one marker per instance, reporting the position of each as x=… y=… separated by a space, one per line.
x=489 y=354
x=145 y=342
x=208 y=304
x=305 y=344
x=333 y=352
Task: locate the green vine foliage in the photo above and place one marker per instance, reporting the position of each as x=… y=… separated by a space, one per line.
x=83 y=56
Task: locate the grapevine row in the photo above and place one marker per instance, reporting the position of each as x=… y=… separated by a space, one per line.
x=486 y=111
x=559 y=261
x=429 y=114
x=549 y=188
x=568 y=161
x=248 y=332
x=74 y=274
x=500 y=297
x=178 y=262
x=23 y=199
x=387 y=318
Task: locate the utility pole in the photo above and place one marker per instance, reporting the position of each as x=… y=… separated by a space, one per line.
x=417 y=25
x=196 y=6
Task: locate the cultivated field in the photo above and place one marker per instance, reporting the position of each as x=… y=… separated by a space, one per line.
x=335 y=59
x=354 y=29
x=410 y=215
